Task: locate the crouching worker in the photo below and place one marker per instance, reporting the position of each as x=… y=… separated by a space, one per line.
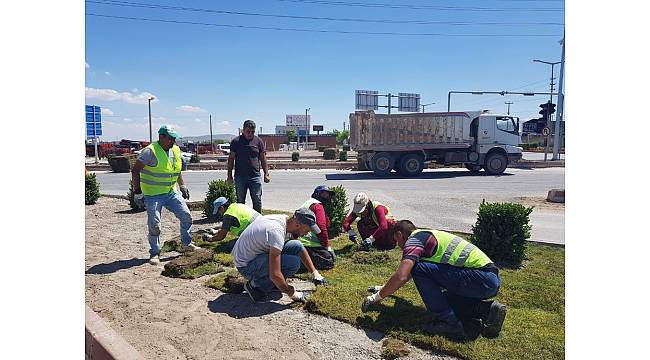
x=438 y=260
x=318 y=243
x=375 y=223
x=263 y=257
x=235 y=218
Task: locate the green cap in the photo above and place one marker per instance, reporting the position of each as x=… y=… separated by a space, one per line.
x=168 y=130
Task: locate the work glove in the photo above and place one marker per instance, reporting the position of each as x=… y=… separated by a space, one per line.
x=299 y=296
x=352 y=236
x=138 y=199
x=331 y=251
x=374 y=289
x=369 y=301
x=207 y=237
x=185 y=192
x=318 y=279
x=366 y=244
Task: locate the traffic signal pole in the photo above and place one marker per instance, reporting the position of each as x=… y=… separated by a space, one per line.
x=560 y=110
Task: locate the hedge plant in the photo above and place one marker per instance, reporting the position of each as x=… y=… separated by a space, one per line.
x=92 y=189
x=195 y=159
x=218 y=188
x=343 y=156
x=295 y=156
x=501 y=231
x=336 y=210
x=330 y=154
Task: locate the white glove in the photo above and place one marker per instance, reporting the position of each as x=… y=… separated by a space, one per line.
x=299 y=296
x=138 y=199
x=375 y=289
x=370 y=300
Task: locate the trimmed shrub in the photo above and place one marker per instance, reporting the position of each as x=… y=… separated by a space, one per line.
x=194 y=159
x=92 y=189
x=295 y=156
x=343 y=156
x=321 y=148
x=330 y=154
x=501 y=231
x=336 y=210
x=130 y=195
x=218 y=188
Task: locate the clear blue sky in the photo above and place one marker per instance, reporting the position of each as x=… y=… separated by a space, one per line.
x=236 y=73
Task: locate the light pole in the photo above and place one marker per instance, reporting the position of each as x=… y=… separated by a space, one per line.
x=423 y=105
x=150 y=135
x=508 y=103
x=307 y=123
x=548 y=118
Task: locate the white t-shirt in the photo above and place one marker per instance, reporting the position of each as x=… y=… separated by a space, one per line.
x=266 y=232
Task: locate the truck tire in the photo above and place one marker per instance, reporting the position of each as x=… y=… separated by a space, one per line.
x=382 y=163
x=495 y=163
x=473 y=168
x=411 y=165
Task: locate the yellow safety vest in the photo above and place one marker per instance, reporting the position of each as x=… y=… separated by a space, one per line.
x=244 y=214
x=161 y=179
x=455 y=251
x=310 y=240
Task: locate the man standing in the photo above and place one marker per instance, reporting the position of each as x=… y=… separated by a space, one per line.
x=375 y=221
x=235 y=218
x=439 y=260
x=155 y=175
x=247 y=153
x=318 y=244
x=263 y=257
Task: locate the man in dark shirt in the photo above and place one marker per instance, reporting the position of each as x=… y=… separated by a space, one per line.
x=247 y=155
x=439 y=260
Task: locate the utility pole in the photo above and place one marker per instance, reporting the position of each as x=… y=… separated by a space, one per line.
x=508 y=103
x=150 y=134
x=548 y=118
x=560 y=109
x=211 y=143
x=307 y=123
x=423 y=105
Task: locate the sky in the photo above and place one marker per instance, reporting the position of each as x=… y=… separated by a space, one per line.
x=261 y=60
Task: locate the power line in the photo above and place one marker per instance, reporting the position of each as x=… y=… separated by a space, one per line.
x=385 y=21
x=317 y=30
x=419 y=7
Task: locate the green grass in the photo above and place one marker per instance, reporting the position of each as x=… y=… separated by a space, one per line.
x=393 y=349
x=201 y=270
x=534 y=295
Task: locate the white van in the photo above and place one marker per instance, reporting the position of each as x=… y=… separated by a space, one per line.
x=224 y=147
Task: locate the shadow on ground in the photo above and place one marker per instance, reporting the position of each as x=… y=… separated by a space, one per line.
x=425 y=175
x=115 y=266
x=241 y=306
x=131 y=211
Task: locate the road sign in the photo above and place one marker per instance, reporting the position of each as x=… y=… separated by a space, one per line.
x=366 y=99
x=317 y=127
x=93 y=121
x=408 y=102
x=546 y=131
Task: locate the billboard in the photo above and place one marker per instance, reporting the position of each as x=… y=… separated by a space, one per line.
x=301 y=121
x=408 y=102
x=366 y=99
x=317 y=128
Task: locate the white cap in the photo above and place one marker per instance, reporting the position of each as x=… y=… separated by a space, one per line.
x=360 y=202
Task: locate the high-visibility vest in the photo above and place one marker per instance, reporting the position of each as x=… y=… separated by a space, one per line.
x=455 y=251
x=161 y=179
x=310 y=240
x=374 y=216
x=244 y=214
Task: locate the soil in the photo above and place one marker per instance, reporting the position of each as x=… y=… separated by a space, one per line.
x=171 y=318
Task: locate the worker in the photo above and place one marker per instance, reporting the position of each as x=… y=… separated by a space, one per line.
x=375 y=221
x=264 y=257
x=235 y=218
x=439 y=260
x=318 y=244
x=154 y=176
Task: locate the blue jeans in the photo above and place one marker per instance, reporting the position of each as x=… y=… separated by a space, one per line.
x=257 y=270
x=469 y=285
x=252 y=183
x=177 y=205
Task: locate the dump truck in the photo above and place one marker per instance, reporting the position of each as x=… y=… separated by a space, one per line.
x=407 y=142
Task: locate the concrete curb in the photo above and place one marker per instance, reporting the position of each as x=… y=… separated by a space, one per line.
x=103 y=343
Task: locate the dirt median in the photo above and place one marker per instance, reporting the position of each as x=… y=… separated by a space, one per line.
x=167 y=318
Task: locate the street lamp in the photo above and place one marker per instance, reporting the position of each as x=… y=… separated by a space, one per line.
x=423 y=105
x=150 y=135
x=548 y=119
x=307 y=130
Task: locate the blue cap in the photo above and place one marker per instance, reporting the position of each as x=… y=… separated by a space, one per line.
x=220 y=201
x=321 y=188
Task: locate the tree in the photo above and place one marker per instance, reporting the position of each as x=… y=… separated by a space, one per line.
x=341 y=136
x=291 y=134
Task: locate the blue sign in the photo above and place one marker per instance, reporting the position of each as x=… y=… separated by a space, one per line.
x=302 y=132
x=93 y=121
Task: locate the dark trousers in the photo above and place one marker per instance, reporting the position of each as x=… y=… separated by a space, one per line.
x=320 y=257
x=243 y=183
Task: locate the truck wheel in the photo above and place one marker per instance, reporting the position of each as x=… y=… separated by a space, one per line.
x=382 y=163
x=411 y=165
x=495 y=163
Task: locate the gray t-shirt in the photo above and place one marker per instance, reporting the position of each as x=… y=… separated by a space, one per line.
x=148 y=158
x=266 y=232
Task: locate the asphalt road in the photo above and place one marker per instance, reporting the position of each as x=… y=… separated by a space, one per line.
x=438 y=198
x=527 y=155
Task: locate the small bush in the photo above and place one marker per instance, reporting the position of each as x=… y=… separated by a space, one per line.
x=321 y=148
x=295 y=156
x=343 y=156
x=330 y=154
x=336 y=210
x=195 y=159
x=501 y=231
x=218 y=188
x=130 y=195
x=92 y=189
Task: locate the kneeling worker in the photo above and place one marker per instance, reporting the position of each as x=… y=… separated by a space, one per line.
x=375 y=221
x=235 y=218
x=318 y=244
x=439 y=260
x=263 y=257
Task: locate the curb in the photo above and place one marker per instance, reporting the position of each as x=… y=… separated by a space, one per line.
x=102 y=342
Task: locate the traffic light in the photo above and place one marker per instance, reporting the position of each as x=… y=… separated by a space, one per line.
x=552 y=108
x=544 y=111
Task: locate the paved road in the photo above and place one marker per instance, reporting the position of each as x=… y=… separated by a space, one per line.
x=439 y=198
x=527 y=155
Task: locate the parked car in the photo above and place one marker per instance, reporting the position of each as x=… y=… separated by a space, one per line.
x=225 y=148
x=186 y=156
